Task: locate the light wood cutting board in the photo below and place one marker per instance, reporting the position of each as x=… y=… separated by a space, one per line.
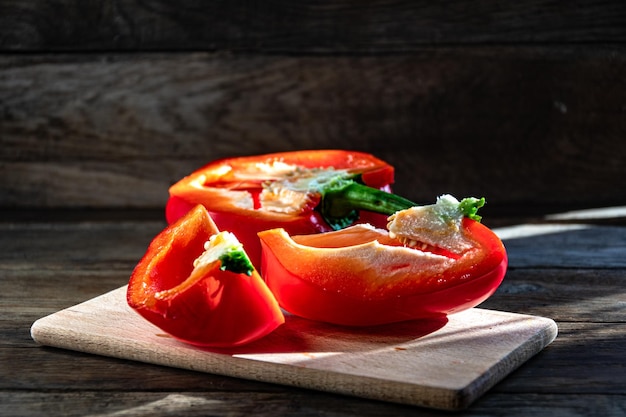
x=444 y=364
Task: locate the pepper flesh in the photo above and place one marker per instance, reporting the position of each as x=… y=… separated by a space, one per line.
x=242 y=196
x=196 y=284
x=363 y=275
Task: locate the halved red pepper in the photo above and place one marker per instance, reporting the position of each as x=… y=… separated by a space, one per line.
x=433 y=261
x=198 y=285
x=309 y=191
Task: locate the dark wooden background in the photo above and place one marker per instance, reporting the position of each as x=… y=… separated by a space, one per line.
x=105 y=104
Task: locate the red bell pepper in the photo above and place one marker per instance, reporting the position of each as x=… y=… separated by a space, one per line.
x=433 y=261
x=304 y=192
x=198 y=285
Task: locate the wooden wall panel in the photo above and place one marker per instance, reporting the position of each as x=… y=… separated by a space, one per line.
x=305 y=26
x=105 y=104
x=516 y=125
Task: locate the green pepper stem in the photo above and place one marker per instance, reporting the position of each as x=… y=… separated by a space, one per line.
x=342 y=201
x=469 y=207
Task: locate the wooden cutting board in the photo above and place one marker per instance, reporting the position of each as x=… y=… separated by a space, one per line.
x=445 y=364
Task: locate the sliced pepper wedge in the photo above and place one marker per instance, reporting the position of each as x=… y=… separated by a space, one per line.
x=246 y=195
x=433 y=261
x=198 y=285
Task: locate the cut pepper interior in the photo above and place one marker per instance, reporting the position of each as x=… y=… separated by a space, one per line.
x=434 y=260
x=198 y=285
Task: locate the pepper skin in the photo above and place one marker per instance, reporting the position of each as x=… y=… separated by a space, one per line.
x=230 y=189
x=202 y=305
x=362 y=276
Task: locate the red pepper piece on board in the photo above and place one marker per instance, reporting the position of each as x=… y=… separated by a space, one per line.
x=309 y=191
x=198 y=285
x=433 y=261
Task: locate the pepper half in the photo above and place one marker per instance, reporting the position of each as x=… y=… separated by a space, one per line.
x=303 y=192
x=433 y=261
x=198 y=285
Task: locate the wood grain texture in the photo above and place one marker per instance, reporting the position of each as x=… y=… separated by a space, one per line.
x=547 y=244
x=44 y=268
x=595 y=347
x=518 y=125
x=540 y=291
x=309 y=26
x=441 y=364
x=82 y=243
x=69 y=404
x=104 y=104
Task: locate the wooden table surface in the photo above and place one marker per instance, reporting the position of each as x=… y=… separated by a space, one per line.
x=568 y=267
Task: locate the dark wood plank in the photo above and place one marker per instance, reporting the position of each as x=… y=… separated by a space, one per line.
x=67 y=247
x=32 y=367
x=565 y=246
x=524 y=126
x=35 y=292
x=563 y=294
x=309 y=27
x=290 y=403
x=202 y=404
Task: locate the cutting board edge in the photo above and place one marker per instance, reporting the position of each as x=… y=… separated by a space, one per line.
x=514 y=360
x=45 y=332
